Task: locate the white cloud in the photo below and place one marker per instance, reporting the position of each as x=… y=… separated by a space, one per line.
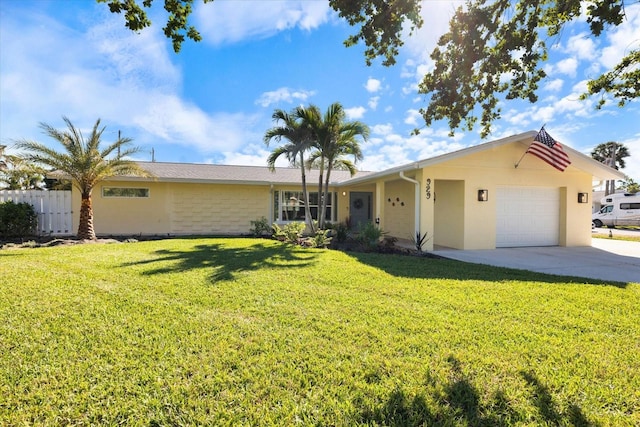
x=251 y=155
x=355 y=113
x=382 y=129
x=554 y=85
x=567 y=66
x=222 y=22
x=582 y=46
x=632 y=168
x=373 y=85
x=413 y=117
x=175 y=121
x=373 y=102
x=283 y=94
x=436 y=16
x=107 y=72
x=623 y=38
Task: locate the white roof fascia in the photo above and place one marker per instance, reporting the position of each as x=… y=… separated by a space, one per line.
x=526 y=136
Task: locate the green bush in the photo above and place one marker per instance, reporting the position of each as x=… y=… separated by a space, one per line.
x=260 y=227
x=17 y=219
x=342 y=232
x=290 y=233
x=369 y=235
x=320 y=240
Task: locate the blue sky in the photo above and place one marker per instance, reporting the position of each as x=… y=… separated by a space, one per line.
x=212 y=102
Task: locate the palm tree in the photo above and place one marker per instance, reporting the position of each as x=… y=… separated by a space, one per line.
x=19 y=174
x=291 y=128
x=333 y=138
x=611 y=153
x=85 y=162
x=3 y=158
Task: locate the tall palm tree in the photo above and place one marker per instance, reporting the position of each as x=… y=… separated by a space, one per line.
x=605 y=153
x=298 y=137
x=334 y=138
x=85 y=162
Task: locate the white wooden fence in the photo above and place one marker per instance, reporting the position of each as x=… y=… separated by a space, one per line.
x=53 y=209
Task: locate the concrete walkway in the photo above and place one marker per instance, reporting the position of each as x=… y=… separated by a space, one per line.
x=609 y=260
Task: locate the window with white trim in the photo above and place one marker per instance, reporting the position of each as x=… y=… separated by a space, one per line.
x=290 y=206
x=124 y=192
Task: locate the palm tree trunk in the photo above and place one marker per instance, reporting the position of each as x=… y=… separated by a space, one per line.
x=320 y=185
x=307 y=209
x=85 y=227
x=325 y=195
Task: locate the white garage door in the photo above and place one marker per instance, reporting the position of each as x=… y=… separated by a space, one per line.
x=527 y=216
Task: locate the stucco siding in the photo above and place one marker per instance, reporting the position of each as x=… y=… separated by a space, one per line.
x=217 y=209
x=399 y=203
x=492 y=168
x=177 y=208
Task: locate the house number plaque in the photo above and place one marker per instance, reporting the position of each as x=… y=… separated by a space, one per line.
x=427 y=189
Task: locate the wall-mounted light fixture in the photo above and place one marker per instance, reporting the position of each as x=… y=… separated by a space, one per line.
x=483 y=195
x=344 y=193
x=583 y=198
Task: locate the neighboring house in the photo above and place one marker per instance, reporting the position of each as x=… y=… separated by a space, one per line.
x=474 y=198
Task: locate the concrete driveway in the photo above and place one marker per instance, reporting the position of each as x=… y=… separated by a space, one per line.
x=609 y=260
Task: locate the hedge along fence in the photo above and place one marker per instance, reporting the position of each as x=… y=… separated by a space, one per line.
x=53 y=209
x=17 y=219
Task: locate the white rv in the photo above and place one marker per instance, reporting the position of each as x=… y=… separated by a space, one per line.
x=618 y=209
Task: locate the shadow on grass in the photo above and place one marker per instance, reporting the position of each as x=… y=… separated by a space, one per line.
x=440 y=268
x=226 y=261
x=458 y=403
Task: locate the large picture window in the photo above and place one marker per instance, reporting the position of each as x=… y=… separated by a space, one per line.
x=124 y=192
x=290 y=206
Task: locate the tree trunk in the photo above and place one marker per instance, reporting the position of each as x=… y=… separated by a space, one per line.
x=85 y=227
x=305 y=192
x=320 y=184
x=325 y=195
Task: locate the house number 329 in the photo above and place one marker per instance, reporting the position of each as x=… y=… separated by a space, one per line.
x=427 y=189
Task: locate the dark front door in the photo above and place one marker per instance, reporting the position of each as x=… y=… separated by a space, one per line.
x=360 y=207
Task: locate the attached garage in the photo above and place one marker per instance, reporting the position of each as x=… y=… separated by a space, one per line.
x=527 y=216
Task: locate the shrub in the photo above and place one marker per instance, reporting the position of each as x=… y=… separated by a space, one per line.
x=369 y=235
x=341 y=232
x=320 y=240
x=17 y=219
x=290 y=233
x=260 y=227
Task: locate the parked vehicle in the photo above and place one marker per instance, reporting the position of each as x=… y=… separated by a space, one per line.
x=618 y=209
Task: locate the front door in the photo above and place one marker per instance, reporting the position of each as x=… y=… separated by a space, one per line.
x=360 y=208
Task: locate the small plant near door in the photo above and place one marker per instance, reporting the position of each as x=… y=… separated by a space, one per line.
x=420 y=240
x=369 y=235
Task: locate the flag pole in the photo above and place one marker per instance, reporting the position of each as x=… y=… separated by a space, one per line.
x=518 y=163
x=525 y=153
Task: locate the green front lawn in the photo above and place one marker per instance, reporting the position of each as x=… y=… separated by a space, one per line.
x=250 y=332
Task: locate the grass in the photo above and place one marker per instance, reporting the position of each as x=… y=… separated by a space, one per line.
x=616 y=237
x=251 y=332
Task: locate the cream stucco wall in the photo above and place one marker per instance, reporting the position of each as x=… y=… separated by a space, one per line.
x=492 y=168
x=399 y=207
x=177 y=208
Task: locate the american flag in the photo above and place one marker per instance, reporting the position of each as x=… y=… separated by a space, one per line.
x=549 y=150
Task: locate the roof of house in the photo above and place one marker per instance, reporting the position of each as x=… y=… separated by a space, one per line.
x=230 y=174
x=578 y=160
x=262 y=175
